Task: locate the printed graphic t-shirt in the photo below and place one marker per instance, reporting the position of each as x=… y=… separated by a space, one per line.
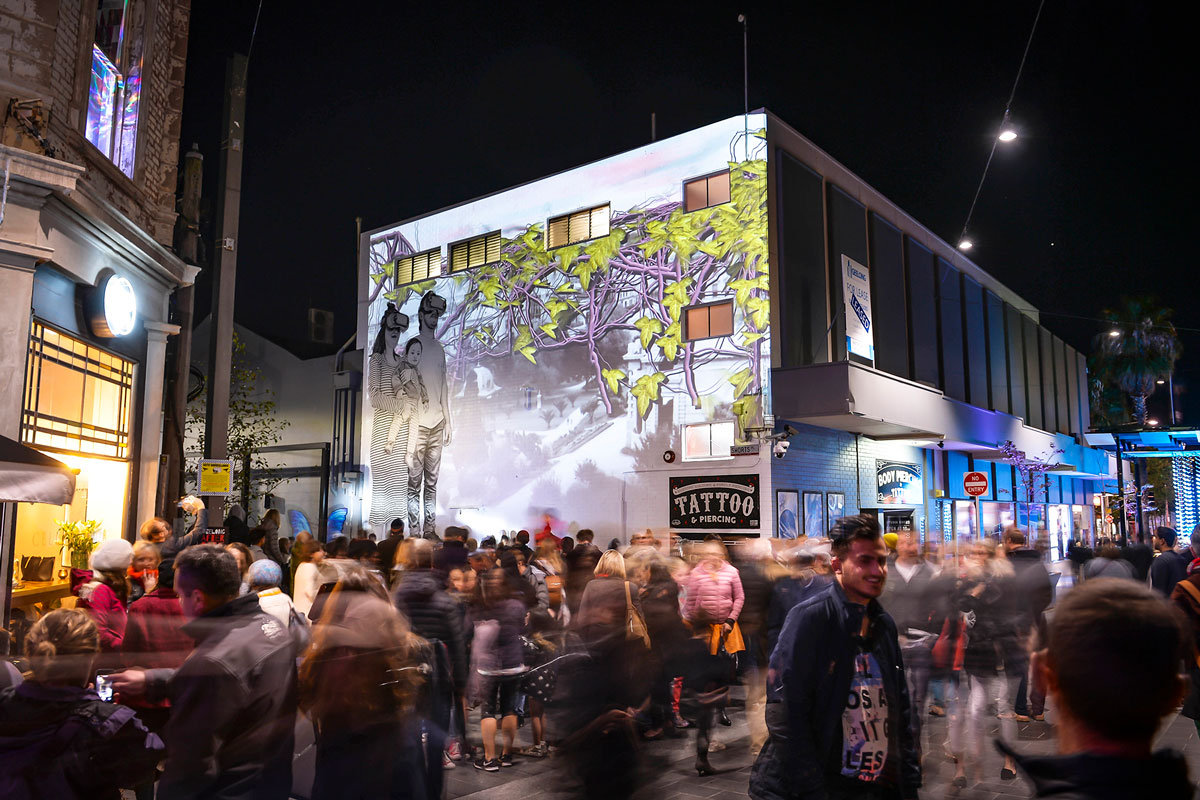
x=865 y=722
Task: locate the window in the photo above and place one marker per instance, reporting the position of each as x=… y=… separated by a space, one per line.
x=115 y=90
x=712 y=190
x=419 y=267
x=707 y=322
x=707 y=441
x=590 y=223
x=475 y=252
x=76 y=396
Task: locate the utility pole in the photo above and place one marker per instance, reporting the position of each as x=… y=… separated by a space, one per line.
x=229 y=201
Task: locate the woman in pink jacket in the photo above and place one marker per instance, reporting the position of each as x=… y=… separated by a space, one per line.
x=106 y=594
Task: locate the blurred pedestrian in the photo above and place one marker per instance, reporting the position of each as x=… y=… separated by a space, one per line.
x=263 y=579
x=841 y=727
x=57 y=738
x=359 y=683
x=608 y=600
x=1108 y=564
x=307 y=558
x=244 y=557
x=233 y=700
x=1031 y=596
x=535 y=578
x=659 y=597
x=106 y=595
x=548 y=559
x=497 y=664
x=809 y=570
x=581 y=566
x=1116 y=640
x=907 y=598
x=757 y=572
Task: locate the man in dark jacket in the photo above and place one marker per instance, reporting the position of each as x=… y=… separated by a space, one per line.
x=841 y=726
x=908 y=599
x=431 y=612
x=581 y=565
x=1168 y=567
x=1112 y=639
x=1031 y=596
x=453 y=552
x=233 y=702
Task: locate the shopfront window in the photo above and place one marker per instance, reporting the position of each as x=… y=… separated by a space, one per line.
x=966 y=528
x=996 y=518
x=76 y=396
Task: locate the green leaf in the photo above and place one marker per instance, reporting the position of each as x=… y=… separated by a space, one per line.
x=749 y=338
x=528 y=352
x=550 y=329
x=670 y=340
x=645 y=389
x=613 y=378
x=760 y=311
x=649 y=326
x=741 y=380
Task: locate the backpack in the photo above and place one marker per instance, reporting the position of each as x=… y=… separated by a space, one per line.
x=554 y=585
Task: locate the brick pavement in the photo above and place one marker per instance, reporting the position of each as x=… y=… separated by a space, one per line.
x=669 y=775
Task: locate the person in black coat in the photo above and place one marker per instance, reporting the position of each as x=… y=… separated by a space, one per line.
x=432 y=613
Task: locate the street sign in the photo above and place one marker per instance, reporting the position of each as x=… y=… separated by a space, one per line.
x=975 y=484
x=744 y=449
x=215 y=477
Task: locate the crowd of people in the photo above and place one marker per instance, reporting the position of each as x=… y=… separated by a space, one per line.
x=406 y=657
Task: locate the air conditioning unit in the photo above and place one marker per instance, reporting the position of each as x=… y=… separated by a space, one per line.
x=320 y=326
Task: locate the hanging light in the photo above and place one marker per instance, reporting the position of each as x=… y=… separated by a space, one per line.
x=1114 y=333
x=965 y=245
x=1007 y=135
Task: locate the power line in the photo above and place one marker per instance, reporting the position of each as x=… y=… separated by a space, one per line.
x=253 y=32
x=1003 y=122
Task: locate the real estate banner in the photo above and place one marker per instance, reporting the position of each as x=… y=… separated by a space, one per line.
x=856 y=290
x=714 y=502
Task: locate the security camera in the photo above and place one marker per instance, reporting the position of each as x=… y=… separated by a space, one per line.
x=780 y=449
x=790 y=431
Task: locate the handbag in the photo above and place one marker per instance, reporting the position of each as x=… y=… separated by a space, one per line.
x=37 y=568
x=635 y=624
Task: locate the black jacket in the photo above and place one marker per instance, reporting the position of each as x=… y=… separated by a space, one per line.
x=1167 y=569
x=908 y=601
x=1033 y=590
x=1163 y=776
x=63 y=742
x=581 y=564
x=786 y=594
x=433 y=615
x=233 y=707
x=811 y=672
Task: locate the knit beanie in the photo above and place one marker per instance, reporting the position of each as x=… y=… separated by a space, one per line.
x=113 y=555
x=263 y=574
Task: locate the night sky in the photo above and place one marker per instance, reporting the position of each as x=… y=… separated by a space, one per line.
x=390 y=114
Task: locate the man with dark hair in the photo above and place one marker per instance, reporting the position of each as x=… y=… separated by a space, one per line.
x=453 y=552
x=839 y=717
x=521 y=542
x=581 y=565
x=396 y=530
x=233 y=702
x=1031 y=596
x=1111 y=667
x=1168 y=567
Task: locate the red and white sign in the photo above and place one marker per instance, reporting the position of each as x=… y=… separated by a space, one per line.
x=975 y=484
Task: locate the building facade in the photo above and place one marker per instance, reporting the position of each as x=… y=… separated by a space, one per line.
x=724 y=331
x=93 y=96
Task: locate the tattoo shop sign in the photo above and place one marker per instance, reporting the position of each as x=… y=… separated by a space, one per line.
x=714 y=502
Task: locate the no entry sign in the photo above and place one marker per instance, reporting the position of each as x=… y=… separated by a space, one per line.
x=975 y=484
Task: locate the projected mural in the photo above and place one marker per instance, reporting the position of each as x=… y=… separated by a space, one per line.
x=557 y=344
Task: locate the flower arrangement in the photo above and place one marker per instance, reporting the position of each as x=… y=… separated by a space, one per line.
x=80 y=540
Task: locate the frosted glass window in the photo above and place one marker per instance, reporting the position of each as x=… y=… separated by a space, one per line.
x=707 y=441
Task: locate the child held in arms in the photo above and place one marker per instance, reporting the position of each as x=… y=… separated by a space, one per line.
x=408 y=384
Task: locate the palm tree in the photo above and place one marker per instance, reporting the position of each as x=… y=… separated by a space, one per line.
x=1139 y=349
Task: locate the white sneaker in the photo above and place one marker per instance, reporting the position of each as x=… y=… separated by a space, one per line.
x=447 y=762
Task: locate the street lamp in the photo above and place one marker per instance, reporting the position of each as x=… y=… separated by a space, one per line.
x=1114 y=333
x=1007 y=135
x=965 y=245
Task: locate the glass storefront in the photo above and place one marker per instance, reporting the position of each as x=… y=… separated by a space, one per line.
x=76 y=410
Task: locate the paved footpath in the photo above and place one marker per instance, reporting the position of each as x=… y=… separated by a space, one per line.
x=670 y=776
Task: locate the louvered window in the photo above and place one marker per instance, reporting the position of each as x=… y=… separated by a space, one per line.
x=712 y=190
x=580 y=226
x=475 y=252
x=419 y=267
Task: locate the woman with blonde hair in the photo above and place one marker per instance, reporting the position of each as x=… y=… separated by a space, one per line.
x=57 y=738
x=609 y=598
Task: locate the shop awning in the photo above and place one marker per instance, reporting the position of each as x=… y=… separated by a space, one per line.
x=1148 y=442
x=27 y=476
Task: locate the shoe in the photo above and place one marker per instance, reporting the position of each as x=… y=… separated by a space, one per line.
x=488 y=766
x=454 y=748
x=724 y=719
x=715 y=747
x=1007 y=774
x=959 y=782
x=1021 y=718
x=681 y=723
x=937 y=711
x=447 y=761
x=1007 y=715
x=506 y=760
x=539 y=750
x=1038 y=718
x=703 y=768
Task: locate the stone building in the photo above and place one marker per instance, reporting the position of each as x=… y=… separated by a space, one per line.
x=92 y=94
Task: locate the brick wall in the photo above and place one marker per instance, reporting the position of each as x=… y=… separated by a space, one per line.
x=825 y=460
x=44 y=54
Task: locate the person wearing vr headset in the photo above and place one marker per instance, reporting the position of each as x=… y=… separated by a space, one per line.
x=838 y=711
x=432 y=429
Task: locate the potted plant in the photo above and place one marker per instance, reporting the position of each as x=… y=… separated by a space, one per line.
x=80 y=540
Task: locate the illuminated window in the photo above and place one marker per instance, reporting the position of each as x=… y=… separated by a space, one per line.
x=76 y=396
x=707 y=322
x=419 y=267
x=590 y=223
x=475 y=252
x=115 y=90
x=707 y=441
x=712 y=190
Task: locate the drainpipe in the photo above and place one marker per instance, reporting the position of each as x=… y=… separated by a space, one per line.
x=4 y=197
